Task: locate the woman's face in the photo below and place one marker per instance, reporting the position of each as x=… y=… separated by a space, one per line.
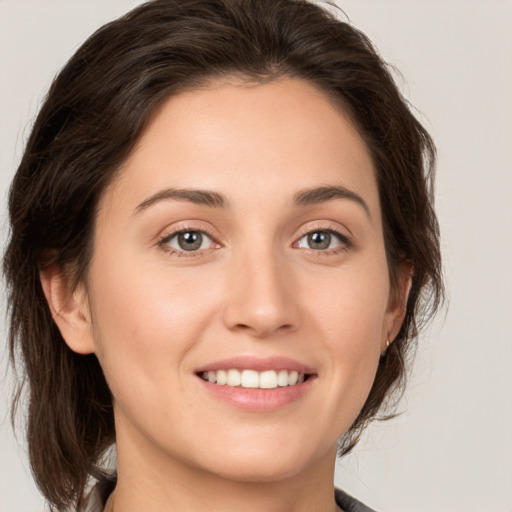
x=242 y=241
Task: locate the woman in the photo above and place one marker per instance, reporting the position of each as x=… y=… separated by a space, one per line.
x=222 y=247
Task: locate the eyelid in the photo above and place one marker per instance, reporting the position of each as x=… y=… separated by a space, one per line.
x=170 y=233
x=344 y=237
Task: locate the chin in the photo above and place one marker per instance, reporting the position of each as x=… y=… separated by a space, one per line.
x=266 y=465
x=250 y=471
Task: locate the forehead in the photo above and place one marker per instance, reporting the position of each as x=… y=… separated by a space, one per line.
x=249 y=141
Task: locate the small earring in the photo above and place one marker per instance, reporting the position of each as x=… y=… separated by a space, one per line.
x=385 y=351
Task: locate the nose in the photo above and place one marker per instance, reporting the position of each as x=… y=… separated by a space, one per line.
x=261 y=299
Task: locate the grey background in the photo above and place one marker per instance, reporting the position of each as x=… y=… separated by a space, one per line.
x=451 y=449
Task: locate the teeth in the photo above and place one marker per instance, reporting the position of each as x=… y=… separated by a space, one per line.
x=282 y=378
x=222 y=377
x=249 y=379
x=268 y=379
x=234 y=378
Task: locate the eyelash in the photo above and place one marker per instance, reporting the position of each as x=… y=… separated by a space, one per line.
x=345 y=241
x=166 y=238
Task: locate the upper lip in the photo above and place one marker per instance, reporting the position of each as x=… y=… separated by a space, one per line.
x=259 y=364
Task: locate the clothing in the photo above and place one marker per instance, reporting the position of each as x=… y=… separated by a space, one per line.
x=349 y=504
x=101 y=492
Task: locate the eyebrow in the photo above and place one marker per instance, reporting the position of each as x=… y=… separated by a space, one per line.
x=318 y=195
x=196 y=196
x=306 y=197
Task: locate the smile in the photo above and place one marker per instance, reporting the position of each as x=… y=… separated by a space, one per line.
x=268 y=379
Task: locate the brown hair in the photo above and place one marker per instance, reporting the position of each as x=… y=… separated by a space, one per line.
x=94 y=113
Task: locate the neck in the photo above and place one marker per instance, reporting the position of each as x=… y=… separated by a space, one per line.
x=150 y=481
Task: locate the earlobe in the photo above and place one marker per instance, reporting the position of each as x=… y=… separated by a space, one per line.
x=69 y=309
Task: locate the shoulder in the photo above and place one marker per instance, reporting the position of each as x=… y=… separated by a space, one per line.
x=94 y=503
x=99 y=495
x=349 y=504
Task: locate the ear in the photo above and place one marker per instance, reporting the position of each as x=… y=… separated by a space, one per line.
x=69 y=308
x=397 y=306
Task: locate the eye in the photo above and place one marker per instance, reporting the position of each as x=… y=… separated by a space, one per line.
x=322 y=240
x=188 y=241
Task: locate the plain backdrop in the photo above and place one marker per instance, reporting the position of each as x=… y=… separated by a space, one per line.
x=451 y=448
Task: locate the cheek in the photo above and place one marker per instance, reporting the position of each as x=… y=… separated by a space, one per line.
x=351 y=314
x=145 y=323
x=351 y=305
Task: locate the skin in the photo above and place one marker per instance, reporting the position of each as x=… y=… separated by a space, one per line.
x=153 y=313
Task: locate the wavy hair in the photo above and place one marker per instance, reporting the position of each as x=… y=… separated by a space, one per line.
x=93 y=115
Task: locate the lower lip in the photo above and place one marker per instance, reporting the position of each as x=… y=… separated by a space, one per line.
x=259 y=400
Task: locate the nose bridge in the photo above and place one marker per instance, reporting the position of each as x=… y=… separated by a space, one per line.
x=260 y=296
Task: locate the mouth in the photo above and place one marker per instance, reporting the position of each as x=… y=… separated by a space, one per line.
x=253 y=379
x=256 y=384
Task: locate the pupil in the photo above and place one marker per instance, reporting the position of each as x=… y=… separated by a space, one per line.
x=190 y=241
x=319 y=240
